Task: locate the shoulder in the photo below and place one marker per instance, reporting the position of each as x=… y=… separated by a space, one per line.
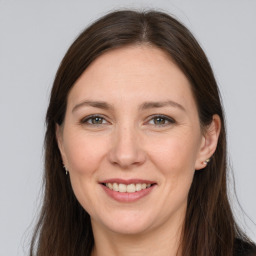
x=243 y=248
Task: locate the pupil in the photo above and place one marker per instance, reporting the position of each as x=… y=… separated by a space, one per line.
x=97 y=120
x=159 y=120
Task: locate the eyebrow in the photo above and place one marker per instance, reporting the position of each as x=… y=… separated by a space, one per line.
x=143 y=106
x=148 y=105
x=95 y=104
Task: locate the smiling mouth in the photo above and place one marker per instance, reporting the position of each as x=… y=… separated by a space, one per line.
x=129 y=188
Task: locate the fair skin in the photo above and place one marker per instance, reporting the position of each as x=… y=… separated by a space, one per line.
x=145 y=129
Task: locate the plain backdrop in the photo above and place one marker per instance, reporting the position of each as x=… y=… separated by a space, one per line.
x=34 y=36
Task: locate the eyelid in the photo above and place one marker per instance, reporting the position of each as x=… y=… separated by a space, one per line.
x=84 y=120
x=170 y=120
x=167 y=118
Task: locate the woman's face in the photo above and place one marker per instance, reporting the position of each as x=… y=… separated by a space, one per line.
x=132 y=125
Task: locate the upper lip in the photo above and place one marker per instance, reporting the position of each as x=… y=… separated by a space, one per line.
x=128 y=181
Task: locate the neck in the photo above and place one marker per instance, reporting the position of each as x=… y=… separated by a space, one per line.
x=158 y=242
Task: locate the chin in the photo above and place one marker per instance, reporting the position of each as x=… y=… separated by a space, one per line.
x=126 y=224
x=129 y=229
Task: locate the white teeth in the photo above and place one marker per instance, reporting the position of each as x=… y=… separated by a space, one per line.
x=130 y=188
x=110 y=185
x=122 y=188
x=138 y=187
x=115 y=187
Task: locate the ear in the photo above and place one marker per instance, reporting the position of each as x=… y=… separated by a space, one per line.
x=59 y=138
x=209 y=142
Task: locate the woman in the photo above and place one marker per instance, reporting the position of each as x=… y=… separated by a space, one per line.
x=135 y=147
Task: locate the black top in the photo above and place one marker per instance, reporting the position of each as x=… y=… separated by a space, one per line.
x=244 y=249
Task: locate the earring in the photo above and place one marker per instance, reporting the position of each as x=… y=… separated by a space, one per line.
x=65 y=169
x=207 y=161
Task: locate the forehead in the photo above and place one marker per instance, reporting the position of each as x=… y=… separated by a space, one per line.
x=134 y=73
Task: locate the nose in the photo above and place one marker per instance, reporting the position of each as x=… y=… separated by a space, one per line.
x=126 y=151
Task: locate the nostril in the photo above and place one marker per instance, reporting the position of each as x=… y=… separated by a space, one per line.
x=127 y=158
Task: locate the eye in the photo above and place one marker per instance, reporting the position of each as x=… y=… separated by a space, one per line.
x=161 y=120
x=94 y=120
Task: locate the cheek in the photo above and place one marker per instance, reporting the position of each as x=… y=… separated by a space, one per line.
x=84 y=153
x=175 y=154
x=175 y=159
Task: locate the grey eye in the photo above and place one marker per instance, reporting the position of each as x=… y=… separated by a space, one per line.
x=161 y=120
x=94 y=120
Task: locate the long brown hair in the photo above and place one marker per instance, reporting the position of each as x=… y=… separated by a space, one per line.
x=64 y=227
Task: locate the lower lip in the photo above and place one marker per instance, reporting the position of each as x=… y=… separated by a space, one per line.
x=127 y=197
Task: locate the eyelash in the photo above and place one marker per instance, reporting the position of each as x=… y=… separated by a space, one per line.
x=169 y=120
x=91 y=117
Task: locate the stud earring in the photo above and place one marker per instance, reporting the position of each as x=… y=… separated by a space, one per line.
x=207 y=161
x=65 y=169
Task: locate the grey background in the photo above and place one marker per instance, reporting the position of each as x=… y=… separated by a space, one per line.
x=34 y=36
